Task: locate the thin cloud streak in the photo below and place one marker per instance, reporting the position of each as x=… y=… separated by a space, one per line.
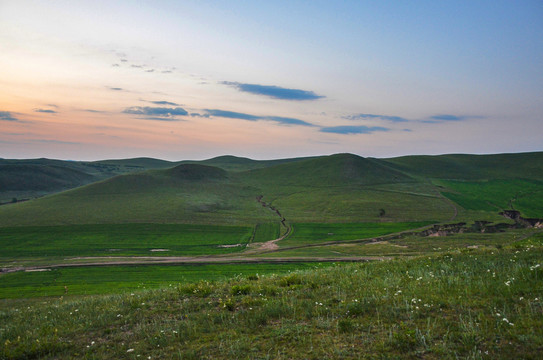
x=349 y=130
x=249 y=117
x=395 y=119
x=47 y=111
x=156 y=111
x=155 y=118
x=275 y=92
x=436 y=119
x=162 y=103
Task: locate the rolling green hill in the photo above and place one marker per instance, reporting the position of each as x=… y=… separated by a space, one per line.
x=336 y=188
x=473 y=167
x=22 y=177
x=334 y=170
x=443 y=287
x=234 y=163
x=32 y=178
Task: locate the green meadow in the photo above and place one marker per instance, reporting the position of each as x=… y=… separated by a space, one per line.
x=315 y=233
x=334 y=257
x=121 y=240
x=96 y=280
x=463 y=304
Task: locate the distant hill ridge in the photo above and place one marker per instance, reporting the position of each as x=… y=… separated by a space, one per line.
x=331 y=170
x=472 y=167
x=196 y=172
x=223 y=190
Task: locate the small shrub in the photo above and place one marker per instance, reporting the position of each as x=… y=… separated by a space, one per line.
x=227 y=304
x=200 y=289
x=290 y=279
x=240 y=289
x=359 y=308
x=404 y=339
x=345 y=326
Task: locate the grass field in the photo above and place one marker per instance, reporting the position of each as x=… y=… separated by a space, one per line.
x=120 y=279
x=410 y=245
x=497 y=195
x=121 y=240
x=475 y=304
x=267 y=231
x=465 y=295
x=314 y=233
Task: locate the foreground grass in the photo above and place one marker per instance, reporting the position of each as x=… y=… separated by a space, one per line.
x=463 y=304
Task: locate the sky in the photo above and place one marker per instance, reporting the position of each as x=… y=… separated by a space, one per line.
x=177 y=80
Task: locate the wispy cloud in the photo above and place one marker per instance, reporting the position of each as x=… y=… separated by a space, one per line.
x=7 y=116
x=448 y=117
x=156 y=113
x=199 y=115
x=156 y=118
x=115 y=88
x=162 y=103
x=60 y=142
x=93 y=111
x=275 y=92
x=287 y=120
x=346 y=130
x=249 y=117
x=47 y=111
x=232 y=115
x=396 y=119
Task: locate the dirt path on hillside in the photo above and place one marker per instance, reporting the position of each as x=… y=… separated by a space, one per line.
x=271 y=244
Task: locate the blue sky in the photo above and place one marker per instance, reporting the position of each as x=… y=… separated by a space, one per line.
x=196 y=79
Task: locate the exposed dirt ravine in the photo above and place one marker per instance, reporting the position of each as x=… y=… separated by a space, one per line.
x=270 y=245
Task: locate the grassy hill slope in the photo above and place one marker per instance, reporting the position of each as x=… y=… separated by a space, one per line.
x=336 y=188
x=31 y=178
x=234 y=163
x=333 y=188
x=473 y=167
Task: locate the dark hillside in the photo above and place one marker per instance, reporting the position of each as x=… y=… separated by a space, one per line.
x=196 y=172
x=142 y=163
x=36 y=177
x=473 y=167
x=333 y=170
x=234 y=163
x=31 y=178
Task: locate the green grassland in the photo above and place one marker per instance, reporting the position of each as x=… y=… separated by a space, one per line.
x=267 y=231
x=77 y=281
x=456 y=295
x=337 y=188
x=32 y=178
x=472 y=167
x=475 y=304
x=497 y=195
x=315 y=233
x=121 y=240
